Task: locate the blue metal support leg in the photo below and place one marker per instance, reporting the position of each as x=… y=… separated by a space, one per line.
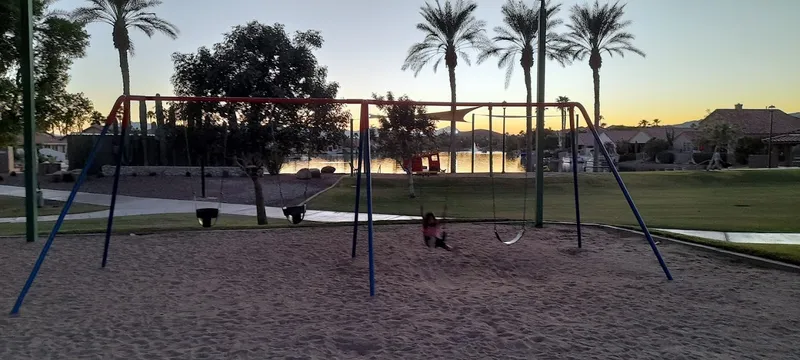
x=57 y=226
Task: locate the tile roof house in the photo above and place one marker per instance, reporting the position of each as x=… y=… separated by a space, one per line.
x=755 y=122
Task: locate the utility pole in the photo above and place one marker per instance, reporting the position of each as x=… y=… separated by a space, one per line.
x=540 y=116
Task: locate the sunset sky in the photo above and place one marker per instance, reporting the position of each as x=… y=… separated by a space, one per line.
x=700 y=55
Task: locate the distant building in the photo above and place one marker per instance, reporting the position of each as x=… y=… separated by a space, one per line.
x=47 y=141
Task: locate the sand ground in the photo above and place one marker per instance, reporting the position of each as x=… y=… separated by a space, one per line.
x=296 y=293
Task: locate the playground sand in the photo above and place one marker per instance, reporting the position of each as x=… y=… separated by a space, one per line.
x=296 y=293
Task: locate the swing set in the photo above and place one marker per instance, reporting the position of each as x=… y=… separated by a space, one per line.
x=208 y=214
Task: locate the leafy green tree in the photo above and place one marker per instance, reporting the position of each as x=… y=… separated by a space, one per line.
x=404 y=132
x=595 y=29
x=57 y=43
x=72 y=112
x=261 y=135
x=450 y=30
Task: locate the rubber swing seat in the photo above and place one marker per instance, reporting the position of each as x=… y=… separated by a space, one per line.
x=295 y=214
x=207 y=217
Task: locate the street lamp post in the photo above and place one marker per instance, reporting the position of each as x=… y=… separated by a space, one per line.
x=771 y=109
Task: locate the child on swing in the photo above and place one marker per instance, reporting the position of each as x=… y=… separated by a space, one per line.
x=431 y=230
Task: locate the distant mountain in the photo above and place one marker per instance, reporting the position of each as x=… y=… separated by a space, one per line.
x=797 y=114
x=687 y=124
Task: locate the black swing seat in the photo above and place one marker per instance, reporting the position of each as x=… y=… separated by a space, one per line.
x=512 y=240
x=207 y=216
x=295 y=214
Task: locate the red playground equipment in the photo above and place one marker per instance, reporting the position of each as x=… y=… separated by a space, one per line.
x=417 y=164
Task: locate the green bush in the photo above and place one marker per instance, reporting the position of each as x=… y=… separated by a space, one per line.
x=747 y=146
x=665 y=157
x=627 y=157
x=655 y=146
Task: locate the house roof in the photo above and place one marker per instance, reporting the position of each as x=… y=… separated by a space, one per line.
x=621 y=135
x=755 y=121
x=44 y=138
x=93 y=129
x=586 y=138
x=791 y=138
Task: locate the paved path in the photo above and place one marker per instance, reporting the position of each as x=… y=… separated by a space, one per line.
x=742 y=237
x=131 y=205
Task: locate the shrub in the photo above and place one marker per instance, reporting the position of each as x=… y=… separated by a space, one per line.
x=747 y=146
x=208 y=174
x=665 y=157
x=67 y=177
x=226 y=174
x=1 y=178
x=13 y=173
x=188 y=174
x=153 y=173
x=627 y=157
x=134 y=174
x=655 y=146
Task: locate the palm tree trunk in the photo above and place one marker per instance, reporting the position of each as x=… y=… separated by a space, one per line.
x=563 y=128
x=596 y=79
x=452 y=73
x=126 y=88
x=529 y=120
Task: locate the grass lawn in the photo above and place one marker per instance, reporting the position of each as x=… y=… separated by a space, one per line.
x=11 y=206
x=761 y=201
x=758 y=201
x=146 y=223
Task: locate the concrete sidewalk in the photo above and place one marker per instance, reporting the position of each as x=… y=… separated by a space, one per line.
x=131 y=205
x=741 y=237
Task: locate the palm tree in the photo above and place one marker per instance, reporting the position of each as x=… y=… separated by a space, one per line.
x=595 y=29
x=124 y=15
x=450 y=30
x=644 y=123
x=656 y=122
x=518 y=37
x=562 y=100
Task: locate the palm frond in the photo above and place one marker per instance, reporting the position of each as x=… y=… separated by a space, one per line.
x=520 y=35
x=124 y=15
x=596 y=28
x=448 y=28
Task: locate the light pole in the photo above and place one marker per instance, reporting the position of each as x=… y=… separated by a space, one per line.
x=504 y=138
x=542 y=35
x=771 y=109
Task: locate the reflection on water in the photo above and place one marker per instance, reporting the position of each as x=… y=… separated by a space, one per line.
x=389 y=166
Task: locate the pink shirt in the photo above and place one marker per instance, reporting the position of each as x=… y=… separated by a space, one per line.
x=432 y=231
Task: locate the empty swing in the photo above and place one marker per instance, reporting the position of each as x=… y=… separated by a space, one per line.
x=295 y=214
x=521 y=232
x=207 y=215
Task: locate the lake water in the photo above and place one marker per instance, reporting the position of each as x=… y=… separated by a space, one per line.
x=388 y=166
